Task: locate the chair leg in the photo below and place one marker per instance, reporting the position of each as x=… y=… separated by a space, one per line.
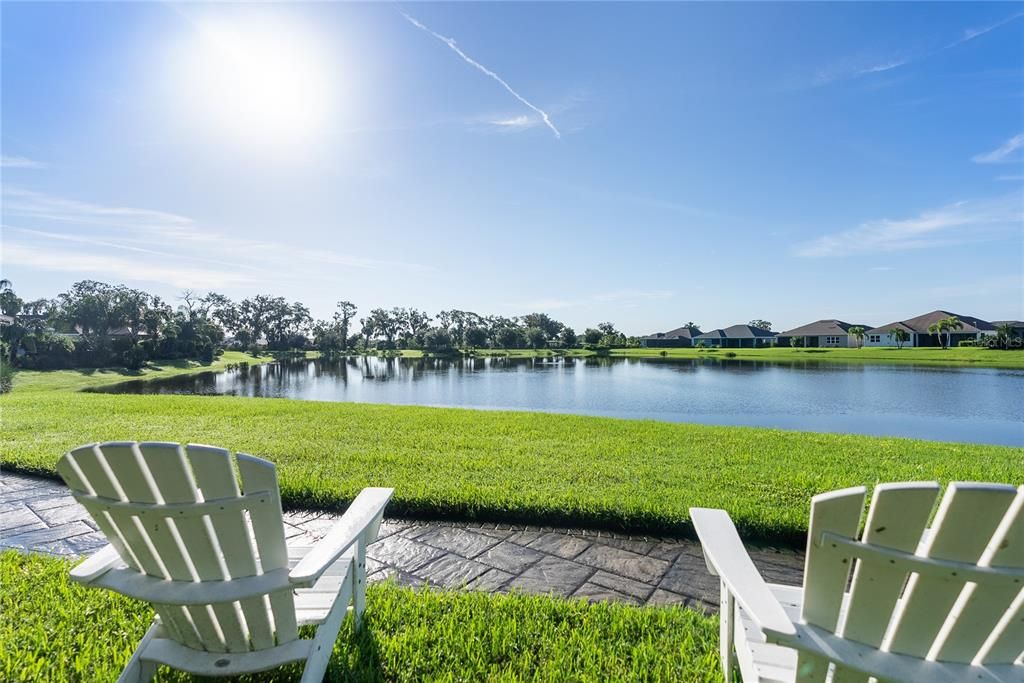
x=137 y=670
x=327 y=635
x=726 y=633
x=359 y=600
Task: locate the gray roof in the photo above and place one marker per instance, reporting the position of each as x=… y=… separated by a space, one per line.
x=680 y=332
x=920 y=324
x=1011 y=323
x=736 y=332
x=821 y=328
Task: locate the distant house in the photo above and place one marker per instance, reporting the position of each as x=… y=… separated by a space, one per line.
x=737 y=337
x=681 y=336
x=829 y=333
x=1016 y=326
x=917 y=330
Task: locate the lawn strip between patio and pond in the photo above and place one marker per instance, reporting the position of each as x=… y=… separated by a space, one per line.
x=55 y=630
x=536 y=468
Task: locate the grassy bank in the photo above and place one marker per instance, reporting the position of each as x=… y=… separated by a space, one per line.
x=54 y=630
x=955 y=357
x=507 y=466
x=86 y=378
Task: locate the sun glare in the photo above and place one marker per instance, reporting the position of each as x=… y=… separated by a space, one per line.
x=264 y=83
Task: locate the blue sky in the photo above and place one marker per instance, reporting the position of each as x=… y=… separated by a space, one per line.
x=648 y=164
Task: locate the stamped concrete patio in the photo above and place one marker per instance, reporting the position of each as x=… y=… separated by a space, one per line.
x=39 y=515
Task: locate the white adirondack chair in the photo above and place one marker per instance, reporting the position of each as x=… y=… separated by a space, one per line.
x=931 y=605
x=211 y=558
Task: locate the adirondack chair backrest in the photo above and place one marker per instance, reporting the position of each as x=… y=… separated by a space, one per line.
x=175 y=512
x=942 y=593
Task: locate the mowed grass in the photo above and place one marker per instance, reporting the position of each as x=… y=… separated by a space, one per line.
x=505 y=466
x=55 y=630
x=956 y=356
x=87 y=378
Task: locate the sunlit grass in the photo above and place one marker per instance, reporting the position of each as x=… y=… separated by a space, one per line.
x=956 y=356
x=504 y=466
x=84 y=378
x=54 y=630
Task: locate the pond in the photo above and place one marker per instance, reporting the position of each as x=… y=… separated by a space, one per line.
x=940 y=403
x=946 y=404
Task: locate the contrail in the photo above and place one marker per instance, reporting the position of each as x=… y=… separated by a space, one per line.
x=450 y=42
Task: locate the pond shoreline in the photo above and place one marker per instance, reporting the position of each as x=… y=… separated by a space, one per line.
x=932 y=403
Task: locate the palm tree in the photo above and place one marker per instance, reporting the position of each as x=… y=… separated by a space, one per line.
x=858 y=333
x=951 y=323
x=5 y=284
x=1003 y=334
x=900 y=335
x=937 y=329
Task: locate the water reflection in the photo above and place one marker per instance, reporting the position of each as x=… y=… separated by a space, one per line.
x=954 y=404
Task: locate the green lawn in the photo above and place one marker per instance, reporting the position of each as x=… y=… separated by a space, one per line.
x=507 y=466
x=54 y=630
x=72 y=380
x=955 y=357
x=961 y=357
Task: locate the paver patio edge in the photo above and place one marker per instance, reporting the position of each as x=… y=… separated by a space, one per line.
x=39 y=515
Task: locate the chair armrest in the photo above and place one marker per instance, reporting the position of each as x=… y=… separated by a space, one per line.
x=726 y=557
x=96 y=564
x=367 y=508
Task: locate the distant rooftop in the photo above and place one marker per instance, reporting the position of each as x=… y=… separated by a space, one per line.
x=921 y=323
x=822 y=328
x=736 y=332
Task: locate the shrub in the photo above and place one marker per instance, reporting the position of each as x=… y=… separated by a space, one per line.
x=6 y=377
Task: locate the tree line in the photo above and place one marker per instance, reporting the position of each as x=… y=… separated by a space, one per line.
x=96 y=324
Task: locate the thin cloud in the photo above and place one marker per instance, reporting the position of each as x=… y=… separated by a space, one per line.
x=1000 y=154
x=951 y=224
x=972 y=33
x=853 y=69
x=515 y=123
x=886 y=66
x=106 y=265
x=20 y=162
x=450 y=42
x=48 y=207
x=1010 y=177
x=160 y=244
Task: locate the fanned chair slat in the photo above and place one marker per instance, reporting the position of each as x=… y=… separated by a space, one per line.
x=173 y=479
x=68 y=469
x=838 y=512
x=268 y=527
x=135 y=481
x=964 y=524
x=985 y=605
x=92 y=463
x=215 y=478
x=211 y=557
x=1008 y=644
x=897 y=520
x=943 y=604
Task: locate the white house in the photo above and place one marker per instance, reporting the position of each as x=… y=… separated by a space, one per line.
x=918 y=334
x=827 y=333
